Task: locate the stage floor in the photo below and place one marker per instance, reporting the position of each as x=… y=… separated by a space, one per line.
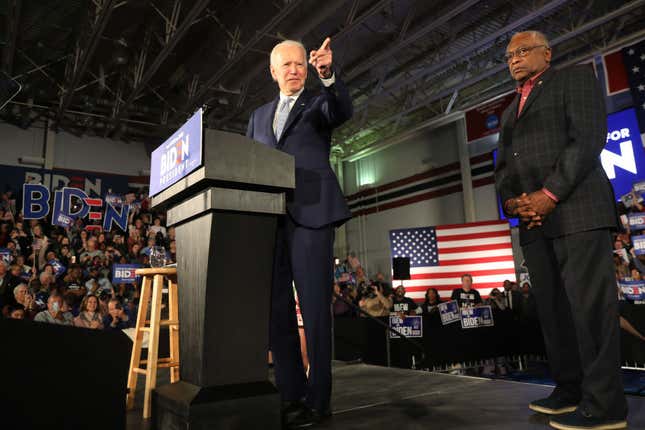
x=374 y=397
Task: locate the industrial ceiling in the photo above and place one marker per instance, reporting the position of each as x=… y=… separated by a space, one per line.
x=134 y=70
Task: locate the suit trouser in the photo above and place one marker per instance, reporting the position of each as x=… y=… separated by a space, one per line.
x=305 y=256
x=575 y=289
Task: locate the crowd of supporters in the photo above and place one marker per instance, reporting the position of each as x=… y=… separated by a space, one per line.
x=64 y=275
x=377 y=297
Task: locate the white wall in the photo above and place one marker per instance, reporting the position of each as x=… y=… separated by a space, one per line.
x=100 y=155
x=71 y=152
x=368 y=235
x=16 y=142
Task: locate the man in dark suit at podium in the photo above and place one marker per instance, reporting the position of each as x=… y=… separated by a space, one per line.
x=300 y=123
x=549 y=174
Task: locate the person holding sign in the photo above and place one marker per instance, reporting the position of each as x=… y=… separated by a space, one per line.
x=549 y=175
x=300 y=122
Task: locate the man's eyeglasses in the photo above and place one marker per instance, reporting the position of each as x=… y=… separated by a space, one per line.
x=521 y=52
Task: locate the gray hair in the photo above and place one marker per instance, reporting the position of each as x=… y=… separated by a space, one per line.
x=288 y=42
x=15 y=289
x=536 y=35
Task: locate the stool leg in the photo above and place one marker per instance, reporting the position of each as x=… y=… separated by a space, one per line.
x=173 y=314
x=153 y=345
x=135 y=358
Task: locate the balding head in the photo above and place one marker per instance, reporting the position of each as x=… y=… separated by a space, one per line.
x=536 y=36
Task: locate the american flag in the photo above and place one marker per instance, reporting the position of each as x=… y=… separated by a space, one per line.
x=634 y=60
x=440 y=255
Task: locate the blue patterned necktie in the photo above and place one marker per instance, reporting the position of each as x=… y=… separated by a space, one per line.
x=281 y=118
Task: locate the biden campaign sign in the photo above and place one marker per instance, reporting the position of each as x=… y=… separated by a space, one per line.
x=124 y=273
x=623 y=157
x=177 y=156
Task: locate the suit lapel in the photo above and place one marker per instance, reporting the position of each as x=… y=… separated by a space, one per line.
x=268 y=121
x=537 y=89
x=296 y=110
x=512 y=117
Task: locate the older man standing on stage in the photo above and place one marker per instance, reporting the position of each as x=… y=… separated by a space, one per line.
x=549 y=174
x=300 y=122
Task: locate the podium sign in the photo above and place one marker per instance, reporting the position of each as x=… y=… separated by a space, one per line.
x=177 y=156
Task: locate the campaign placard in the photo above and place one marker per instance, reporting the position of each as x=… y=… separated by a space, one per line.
x=639 y=244
x=59 y=269
x=177 y=156
x=449 y=312
x=63 y=220
x=410 y=326
x=115 y=200
x=639 y=188
x=636 y=221
x=124 y=273
x=633 y=290
x=481 y=316
x=5 y=255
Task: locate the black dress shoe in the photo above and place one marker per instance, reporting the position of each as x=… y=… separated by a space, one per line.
x=289 y=410
x=306 y=418
x=582 y=420
x=553 y=405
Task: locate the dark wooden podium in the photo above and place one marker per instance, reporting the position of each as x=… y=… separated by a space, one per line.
x=225 y=214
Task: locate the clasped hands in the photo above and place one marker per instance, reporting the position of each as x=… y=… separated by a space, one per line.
x=530 y=208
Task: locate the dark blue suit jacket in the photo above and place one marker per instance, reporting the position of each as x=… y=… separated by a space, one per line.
x=317 y=200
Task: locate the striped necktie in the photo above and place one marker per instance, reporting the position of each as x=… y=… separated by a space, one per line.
x=281 y=117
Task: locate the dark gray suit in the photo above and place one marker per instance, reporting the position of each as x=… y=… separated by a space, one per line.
x=556 y=143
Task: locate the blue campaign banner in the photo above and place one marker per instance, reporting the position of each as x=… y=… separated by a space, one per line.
x=481 y=316
x=411 y=326
x=5 y=255
x=449 y=312
x=177 y=156
x=124 y=273
x=633 y=290
x=636 y=221
x=639 y=244
x=59 y=269
x=623 y=157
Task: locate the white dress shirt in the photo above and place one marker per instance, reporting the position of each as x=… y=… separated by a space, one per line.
x=292 y=98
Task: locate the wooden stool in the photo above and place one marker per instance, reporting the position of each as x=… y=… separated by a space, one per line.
x=151 y=291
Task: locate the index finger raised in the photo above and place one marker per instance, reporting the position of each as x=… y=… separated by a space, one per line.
x=325 y=44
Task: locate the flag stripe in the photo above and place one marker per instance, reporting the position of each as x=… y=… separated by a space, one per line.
x=463 y=268
x=466 y=269
x=449 y=287
x=484 y=241
x=455 y=281
x=467 y=236
x=476 y=248
x=471 y=261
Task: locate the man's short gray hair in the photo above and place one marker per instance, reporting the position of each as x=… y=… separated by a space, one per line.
x=15 y=289
x=288 y=42
x=536 y=35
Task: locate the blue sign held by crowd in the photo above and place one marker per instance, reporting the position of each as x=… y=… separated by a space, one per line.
x=449 y=312
x=410 y=326
x=59 y=269
x=5 y=255
x=481 y=316
x=639 y=244
x=633 y=290
x=636 y=221
x=124 y=273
